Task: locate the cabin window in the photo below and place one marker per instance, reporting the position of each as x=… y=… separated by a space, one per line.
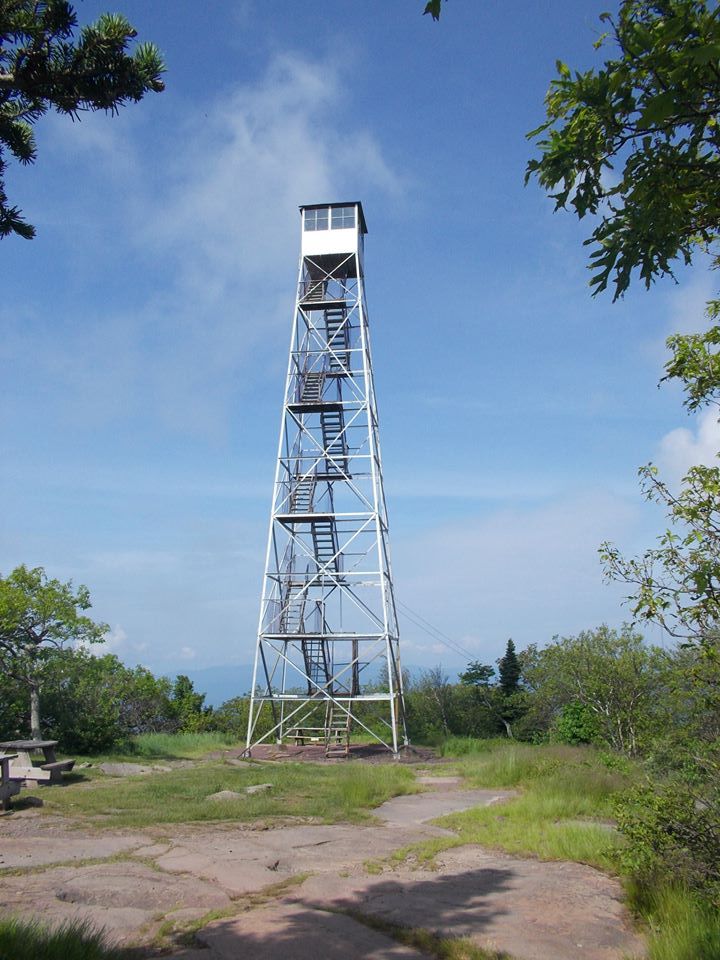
x=317 y=219
x=343 y=217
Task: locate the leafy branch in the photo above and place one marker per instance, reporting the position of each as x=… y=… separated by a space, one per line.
x=43 y=67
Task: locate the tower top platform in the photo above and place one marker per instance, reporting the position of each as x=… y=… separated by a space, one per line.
x=337 y=207
x=331 y=231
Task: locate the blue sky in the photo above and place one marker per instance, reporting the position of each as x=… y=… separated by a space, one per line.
x=145 y=330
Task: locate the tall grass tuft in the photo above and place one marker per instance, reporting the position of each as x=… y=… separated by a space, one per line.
x=74 y=940
x=178 y=745
x=564 y=807
x=681 y=928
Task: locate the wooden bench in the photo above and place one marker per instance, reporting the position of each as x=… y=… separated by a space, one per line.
x=23 y=768
x=57 y=769
x=305 y=735
x=9 y=785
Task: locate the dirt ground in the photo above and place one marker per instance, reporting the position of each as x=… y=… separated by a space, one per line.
x=301 y=890
x=367 y=752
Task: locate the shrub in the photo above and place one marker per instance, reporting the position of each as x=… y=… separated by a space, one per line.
x=673 y=833
x=576 y=724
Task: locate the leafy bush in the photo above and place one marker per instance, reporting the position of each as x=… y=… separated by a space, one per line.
x=231 y=718
x=673 y=833
x=91 y=704
x=14 y=709
x=576 y=724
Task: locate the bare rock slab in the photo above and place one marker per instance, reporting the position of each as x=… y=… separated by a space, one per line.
x=295 y=932
x=127 y=769
x=44 y=845
x=242 y=860
x=225 y=795
x=122 y=897
x=258 y=788
x=533 y=910
x=421 y=807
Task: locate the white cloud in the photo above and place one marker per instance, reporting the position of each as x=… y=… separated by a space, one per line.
x=689 y=302
x=115 y=638
x=232 y=194
x=187 y=653
x=116 y=641
x=686 y=306
x=199 y=250
x=684 y=448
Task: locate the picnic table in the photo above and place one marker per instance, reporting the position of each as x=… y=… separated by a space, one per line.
x=22 y=767
x=8 y=786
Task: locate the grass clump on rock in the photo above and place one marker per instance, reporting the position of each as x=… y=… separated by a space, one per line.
x=563 y=809
x=75 y=940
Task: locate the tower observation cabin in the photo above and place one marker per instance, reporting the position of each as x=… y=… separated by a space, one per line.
x=327 y=660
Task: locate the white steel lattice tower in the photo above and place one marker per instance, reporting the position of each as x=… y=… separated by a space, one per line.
x=327 y=656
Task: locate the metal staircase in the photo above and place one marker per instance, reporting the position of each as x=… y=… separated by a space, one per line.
x=325 y=544
x=317 y=667
x=314 y=291
x=312 y=387
x=292 y=613
x=338 y=341
x=337 y=733
x=303 y=494
x=334 y=441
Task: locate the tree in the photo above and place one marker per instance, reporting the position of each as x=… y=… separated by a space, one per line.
x=189 y=706
x=637 y=143
x=509 y=671
x=649 y=115
x=477 y=674
x=37 y=615
x=612 y=674
x=81 y=700
x=435 y=689
x=145 y=703
x=506 y=702
x=677 y=583
x=42 y=66
x=433 y=8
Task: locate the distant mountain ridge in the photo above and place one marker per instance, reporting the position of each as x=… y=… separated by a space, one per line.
x=221 y=683
x=226 y=681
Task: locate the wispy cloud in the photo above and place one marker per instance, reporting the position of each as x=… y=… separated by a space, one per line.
x=685 y=311
x=683 y=448
x=206 y=232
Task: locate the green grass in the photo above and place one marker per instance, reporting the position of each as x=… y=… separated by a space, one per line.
x=329 y=793
x=679 y=928
x=179 y=745
x=563 y=811
x=75 y=940
x=462 y=746
x=162 y=746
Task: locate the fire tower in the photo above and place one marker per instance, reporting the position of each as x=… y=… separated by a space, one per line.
x=327 y=657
